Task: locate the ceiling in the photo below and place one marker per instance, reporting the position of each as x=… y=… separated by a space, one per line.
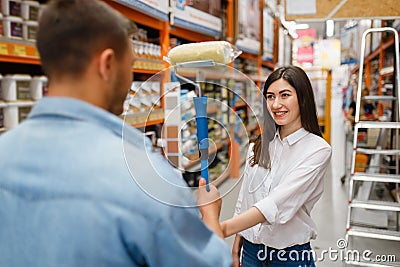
x=316 y=12
x=341 y=9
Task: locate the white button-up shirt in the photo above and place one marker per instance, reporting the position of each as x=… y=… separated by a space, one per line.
x=287 y=192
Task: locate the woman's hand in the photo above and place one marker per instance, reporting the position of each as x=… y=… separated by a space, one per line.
x=236 y=248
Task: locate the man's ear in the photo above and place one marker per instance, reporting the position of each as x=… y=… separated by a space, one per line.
x=107 y=57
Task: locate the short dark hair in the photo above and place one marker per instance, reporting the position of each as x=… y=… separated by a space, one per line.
x=299 y=80
x=71 y=32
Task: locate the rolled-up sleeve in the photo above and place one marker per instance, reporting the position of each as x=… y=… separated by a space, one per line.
x=300 y=184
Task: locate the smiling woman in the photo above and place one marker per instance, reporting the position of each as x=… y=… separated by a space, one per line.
x=284 y=107
x=277 y=195
x=293 y=86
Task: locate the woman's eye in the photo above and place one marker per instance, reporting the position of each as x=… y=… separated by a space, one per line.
x=285 y=95
x=270 y=97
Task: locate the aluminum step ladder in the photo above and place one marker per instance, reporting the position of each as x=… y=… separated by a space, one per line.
x=372 y=174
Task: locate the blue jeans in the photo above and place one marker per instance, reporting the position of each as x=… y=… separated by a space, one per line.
x=255 y=255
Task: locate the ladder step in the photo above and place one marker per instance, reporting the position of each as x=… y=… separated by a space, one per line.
x=378 y=151
x=374 y=233
x=373 y=264
x=379 y=97
x=376 y=177
x=376 y=205
x=378 y=124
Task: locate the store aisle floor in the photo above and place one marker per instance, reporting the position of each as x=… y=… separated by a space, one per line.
x=329 y=214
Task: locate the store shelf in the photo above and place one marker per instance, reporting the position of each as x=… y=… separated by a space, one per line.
x=249 y=56
x=387 y=71
x=145 y=71
x=240 y=104
x=17 y=103
x=17 y=51
x=193 y=163
x=268 y=64
x=148 y=66
x=189 y=35
x=141 y=119
x=3 y=104
x=137 y=16
x=218 y=74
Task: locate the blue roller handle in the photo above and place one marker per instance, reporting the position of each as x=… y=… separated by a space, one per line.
x=200 y=104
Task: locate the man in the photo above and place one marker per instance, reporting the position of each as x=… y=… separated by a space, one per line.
x=73 y=178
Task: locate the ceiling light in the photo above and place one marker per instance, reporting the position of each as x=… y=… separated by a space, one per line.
x=330 y=28
x=302 y=26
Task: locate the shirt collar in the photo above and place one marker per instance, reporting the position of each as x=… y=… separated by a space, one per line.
x=72 y=108
x=294 y=137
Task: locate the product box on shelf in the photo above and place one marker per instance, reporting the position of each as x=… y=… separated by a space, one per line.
x=145 y=96
x=23 y=113
x=16 y=87
x=135 y=87
x=38 y=87
x=30 y=10
x=29 y=30
x=13 y=27
x=156 y=87
x=146 y=88
x=11 y=7
x=1 y=25
x=146 y=104
x=15 y=114
x=134 y=104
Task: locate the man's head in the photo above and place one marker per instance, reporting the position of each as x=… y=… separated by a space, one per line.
x=73 y=34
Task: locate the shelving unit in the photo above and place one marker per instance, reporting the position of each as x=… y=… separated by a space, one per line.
x=321 y=80
x=15 y=51
x=379 y=72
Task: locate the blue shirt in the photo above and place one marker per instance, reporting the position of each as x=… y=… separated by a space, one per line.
x=80 y=188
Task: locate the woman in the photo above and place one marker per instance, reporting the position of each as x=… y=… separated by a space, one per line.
x=272 y=219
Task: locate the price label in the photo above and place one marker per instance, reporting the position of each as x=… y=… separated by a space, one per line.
x=36 y=53
x=19 y=51
x=3 y=49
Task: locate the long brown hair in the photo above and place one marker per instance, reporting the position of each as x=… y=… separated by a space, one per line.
x=299 y=80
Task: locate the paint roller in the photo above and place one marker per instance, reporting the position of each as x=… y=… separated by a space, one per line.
x=195 y=55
